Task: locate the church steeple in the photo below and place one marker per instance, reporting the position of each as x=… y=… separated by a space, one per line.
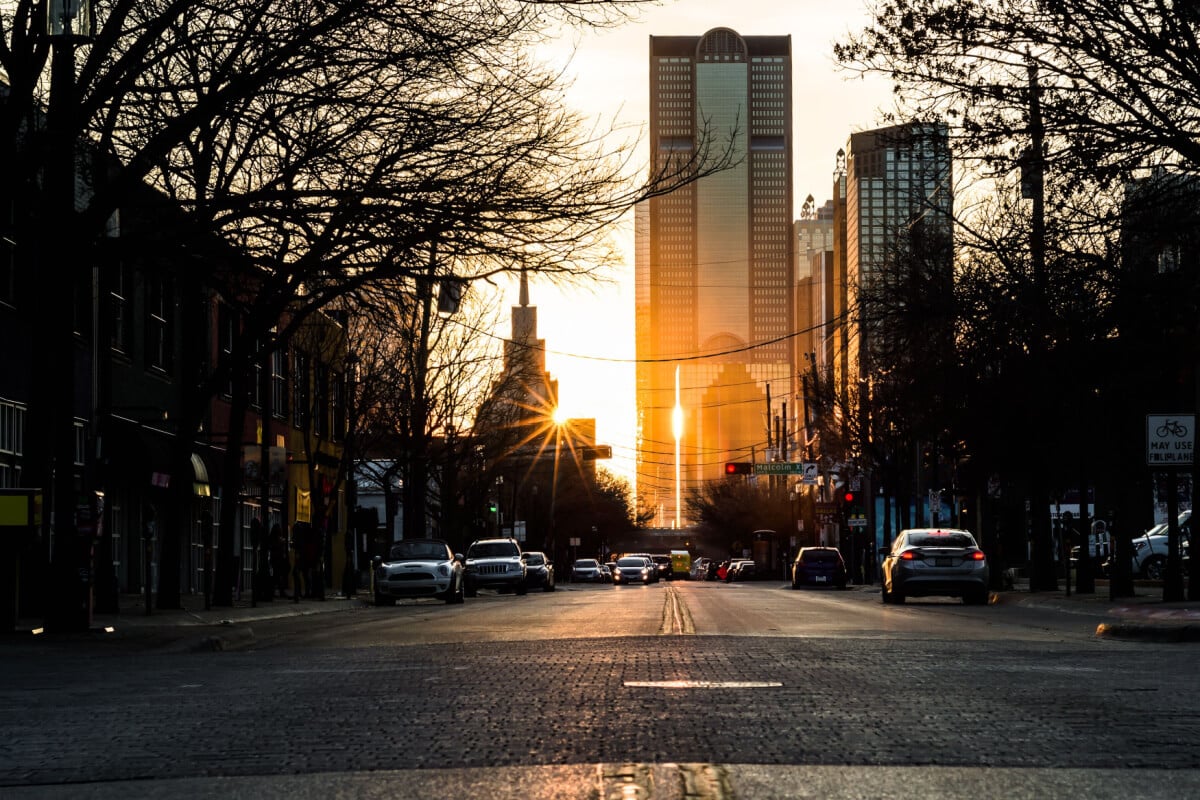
x=528 y=347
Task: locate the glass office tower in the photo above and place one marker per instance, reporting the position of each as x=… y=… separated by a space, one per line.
x=714 y=264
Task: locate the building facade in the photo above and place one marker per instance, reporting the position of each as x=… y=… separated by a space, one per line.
x=714 y=265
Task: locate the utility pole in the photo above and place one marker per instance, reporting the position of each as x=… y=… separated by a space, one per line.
x=1041 y=567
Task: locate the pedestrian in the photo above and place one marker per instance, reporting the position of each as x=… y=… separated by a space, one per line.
x=260 y=564
x=316 y=563
x=279 y=560
x=299 y=533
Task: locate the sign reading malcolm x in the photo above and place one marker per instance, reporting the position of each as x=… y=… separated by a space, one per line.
x=1170 y=440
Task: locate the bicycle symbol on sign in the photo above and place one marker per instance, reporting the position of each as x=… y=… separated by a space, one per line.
x=1173 y=427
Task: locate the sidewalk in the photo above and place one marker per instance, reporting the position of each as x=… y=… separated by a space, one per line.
x=1144 y=616
x=192 y=627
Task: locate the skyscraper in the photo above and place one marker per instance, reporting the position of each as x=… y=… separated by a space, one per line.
x=714 y=263
x=898 y=206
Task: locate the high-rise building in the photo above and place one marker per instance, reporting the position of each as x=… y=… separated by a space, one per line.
x=714 y=264
x=897 y=204
x=817 y=283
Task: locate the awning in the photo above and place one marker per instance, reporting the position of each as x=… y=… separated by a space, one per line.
x=200 y=485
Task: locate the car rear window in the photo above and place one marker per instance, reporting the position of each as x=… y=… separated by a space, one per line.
x=941 y=540
x=820 y=556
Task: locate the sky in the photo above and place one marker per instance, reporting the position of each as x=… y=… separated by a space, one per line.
x=589 y=332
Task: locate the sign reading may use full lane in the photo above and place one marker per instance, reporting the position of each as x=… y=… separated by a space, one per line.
x=1170 y=440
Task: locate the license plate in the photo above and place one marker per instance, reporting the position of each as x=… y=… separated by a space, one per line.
x=820 y=578
x=943 y=562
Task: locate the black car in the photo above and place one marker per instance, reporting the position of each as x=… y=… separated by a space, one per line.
x=539 y=571
x=663 y=564
x=819 y=566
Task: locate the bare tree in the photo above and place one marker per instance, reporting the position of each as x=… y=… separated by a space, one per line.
x=1118 y=81
x=314 y=148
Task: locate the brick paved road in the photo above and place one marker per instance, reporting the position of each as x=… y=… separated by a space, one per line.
x=1059 y=703
x=476 y=705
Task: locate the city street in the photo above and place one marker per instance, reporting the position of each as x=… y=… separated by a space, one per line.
x=697 y=690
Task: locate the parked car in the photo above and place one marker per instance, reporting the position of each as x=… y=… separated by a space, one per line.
x=1151 y=548
x=741 y=569
x=494 y=564
x=819 y=566
x=539 y=571
x=935 y=561
x=587 y=570
x=419 y=568
x=700 y=568
x=634 y=569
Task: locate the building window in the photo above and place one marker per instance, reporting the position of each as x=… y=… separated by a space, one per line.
x=300 y=390
x=120 y=297
x=320 y=400
x=225 y=333
x=337 y=404
x=12 y=428
x=254 y=392
x=8 y=256
x=278 y=384
x=158 y=323
x=80 y=443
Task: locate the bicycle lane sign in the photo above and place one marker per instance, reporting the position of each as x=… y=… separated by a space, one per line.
x=1170 y=440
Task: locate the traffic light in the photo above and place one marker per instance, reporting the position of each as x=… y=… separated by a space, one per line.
x=738 y=468
x=492 y=507
x=848 y=498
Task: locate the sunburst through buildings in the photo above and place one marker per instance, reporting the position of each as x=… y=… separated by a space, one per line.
x=543 y=449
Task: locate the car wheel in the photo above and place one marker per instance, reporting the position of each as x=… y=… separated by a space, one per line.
x=1154 y=568
x=381 y=600
x=522 y=589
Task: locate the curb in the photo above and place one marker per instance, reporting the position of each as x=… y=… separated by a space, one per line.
x=1148 y=632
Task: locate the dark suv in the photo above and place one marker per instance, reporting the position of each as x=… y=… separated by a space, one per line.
x=495 y=564
x=539 y=570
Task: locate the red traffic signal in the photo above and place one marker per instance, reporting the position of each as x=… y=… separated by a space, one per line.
x=738 y=468
x=848 y=497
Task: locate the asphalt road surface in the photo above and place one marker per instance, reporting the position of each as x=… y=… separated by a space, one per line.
x=676 y=690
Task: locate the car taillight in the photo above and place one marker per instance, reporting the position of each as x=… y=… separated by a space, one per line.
x=909 y=555
x=976 y=555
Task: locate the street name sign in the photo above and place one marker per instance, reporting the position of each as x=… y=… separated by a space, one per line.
x=1170 y=440
x=783 y=468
